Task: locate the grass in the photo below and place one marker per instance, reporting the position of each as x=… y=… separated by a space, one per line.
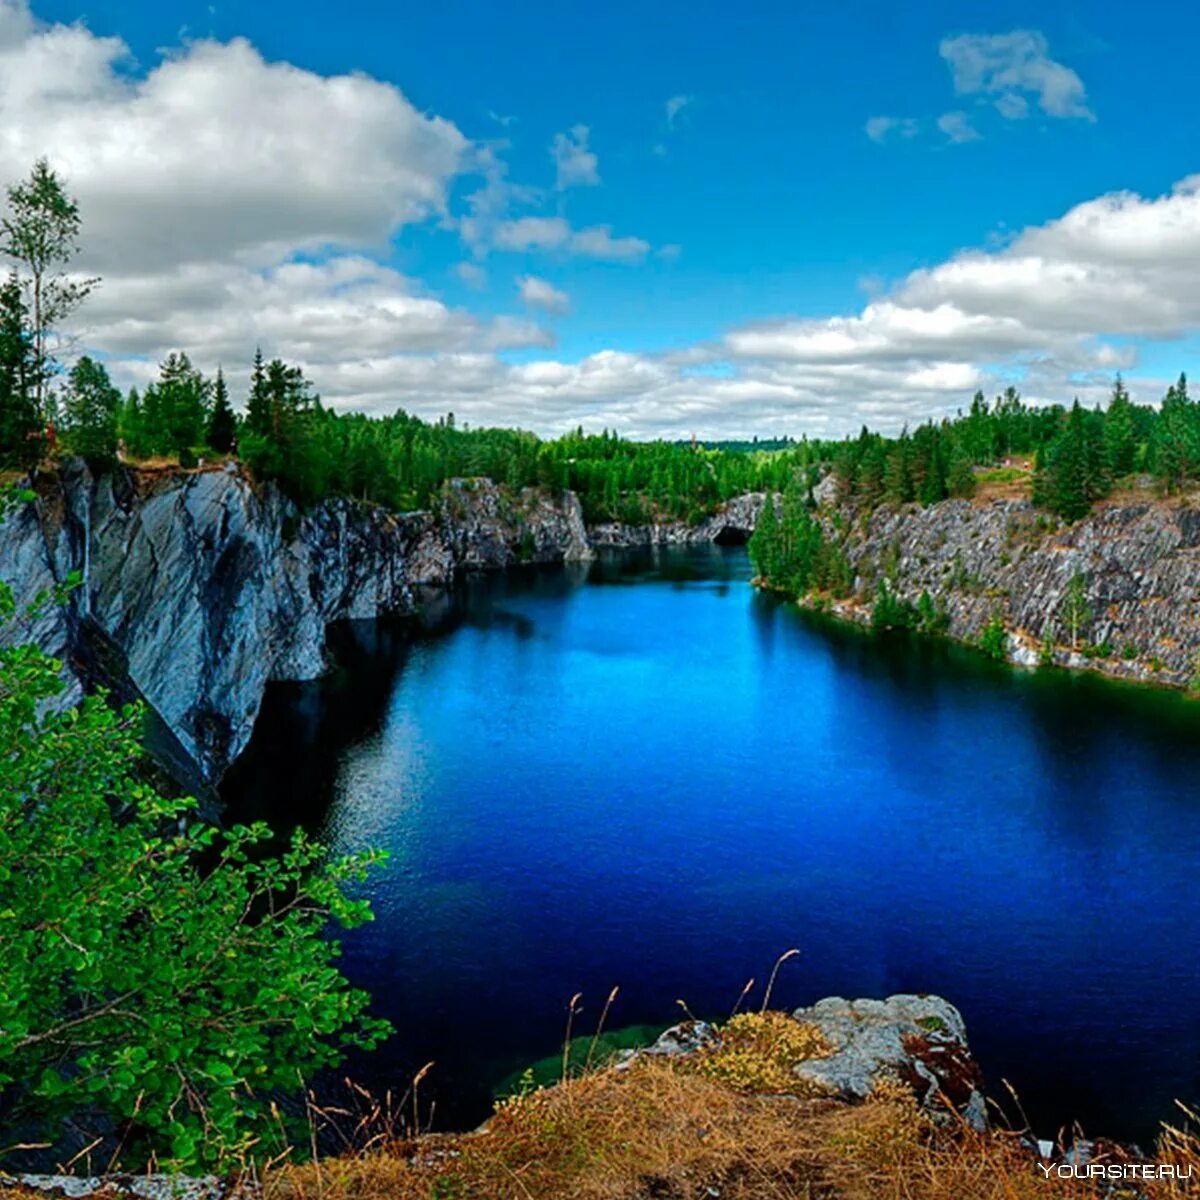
x=661 y=1129
x=727 y=1123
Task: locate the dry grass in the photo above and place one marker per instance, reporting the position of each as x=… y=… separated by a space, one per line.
x=699 y=1127
x=659 y=1129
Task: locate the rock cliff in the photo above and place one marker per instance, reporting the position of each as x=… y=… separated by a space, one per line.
x=200 y=587
x=732 y=526
x=1137 y=566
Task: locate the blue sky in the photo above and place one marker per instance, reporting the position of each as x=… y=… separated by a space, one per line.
x=732 y=185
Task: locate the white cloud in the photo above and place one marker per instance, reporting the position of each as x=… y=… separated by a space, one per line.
x=540 y=293
x=222 y=212
x=472 y=274
x=597 y=241
x=957 y=127
x=555 y=233
x=574 y=164
x=348 y=306
x=1011 y=66
x=674 y=106
x=879 y=129
x=1012 y=106
x=216 y=153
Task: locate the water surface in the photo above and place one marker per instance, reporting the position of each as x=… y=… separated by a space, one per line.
x=644 y=773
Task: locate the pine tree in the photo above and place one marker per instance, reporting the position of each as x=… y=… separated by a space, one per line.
x=960 y=478
x=1076 y=610
x=1176 y=448
x=1071 y=473
x=764 y=544
x=222 y=424
x=933 y=482
x=21 y=439
x=258 y=409
x=132 y=427
x=90 y=409
x=183 y=396
x=1119 y=442
x=898 y=474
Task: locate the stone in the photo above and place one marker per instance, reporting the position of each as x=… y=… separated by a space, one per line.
x=920 y=1041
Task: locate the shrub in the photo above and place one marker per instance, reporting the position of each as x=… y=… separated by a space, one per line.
x=890 y=611
x=138 y=983
x=758 y=1052
x=993 y=640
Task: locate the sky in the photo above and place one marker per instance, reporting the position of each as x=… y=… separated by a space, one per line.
x=660 y=218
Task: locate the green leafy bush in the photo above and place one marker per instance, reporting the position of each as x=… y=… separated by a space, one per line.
x=154 y=968
x=993 y=640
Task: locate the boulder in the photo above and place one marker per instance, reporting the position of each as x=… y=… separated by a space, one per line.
x=920 y=1041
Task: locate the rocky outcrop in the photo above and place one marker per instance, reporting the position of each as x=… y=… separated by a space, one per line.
x=920 y=1041
x=731 y=526
x=1133 y=612
x=207 y=587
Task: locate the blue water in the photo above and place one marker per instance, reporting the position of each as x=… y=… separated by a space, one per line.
x=646 y=774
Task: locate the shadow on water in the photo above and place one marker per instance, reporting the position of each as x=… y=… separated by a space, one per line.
x=584 y=782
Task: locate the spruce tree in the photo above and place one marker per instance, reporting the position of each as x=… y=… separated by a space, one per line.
x=91 y=406
x=1176 y=447
x=765 y=541
x=21 y=439
x=222 y=424
x=1119 y=441
x=258 y=410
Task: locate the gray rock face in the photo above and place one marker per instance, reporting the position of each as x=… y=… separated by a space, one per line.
x=733 y=525
x=210 y=586
x=917 y=1040
x=1140 y=566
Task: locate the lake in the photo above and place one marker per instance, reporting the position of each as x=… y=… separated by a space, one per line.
x=644 y=773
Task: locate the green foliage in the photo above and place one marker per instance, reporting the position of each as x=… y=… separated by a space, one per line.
x=222 y=423
x=1072 y=471
x=931 y=618
x=21 y=423
x=1120 y=443
x=993 y=639
x=890 y=612
x=39 y=233
x=1076 y=612
x=90 y=408
x=1046 y=650
x=1175 y=445
x=791 y=550
x=153 y=966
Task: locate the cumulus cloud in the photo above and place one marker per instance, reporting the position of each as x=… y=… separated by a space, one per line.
x=230 y=201
x=216 y=153
x=472 y=274
x=957 y=127
x=879 y=129
x=1010 y=67
x=574 y=164
x=540 y=293
x=556 y=233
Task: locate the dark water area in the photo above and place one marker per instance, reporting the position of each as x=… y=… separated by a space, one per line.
x=643 y=773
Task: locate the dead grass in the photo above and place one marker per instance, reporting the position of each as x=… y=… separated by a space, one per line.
x=658 y=1129
x=698 y=1127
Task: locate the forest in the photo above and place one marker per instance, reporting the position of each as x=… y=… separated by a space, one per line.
x=271 y=418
